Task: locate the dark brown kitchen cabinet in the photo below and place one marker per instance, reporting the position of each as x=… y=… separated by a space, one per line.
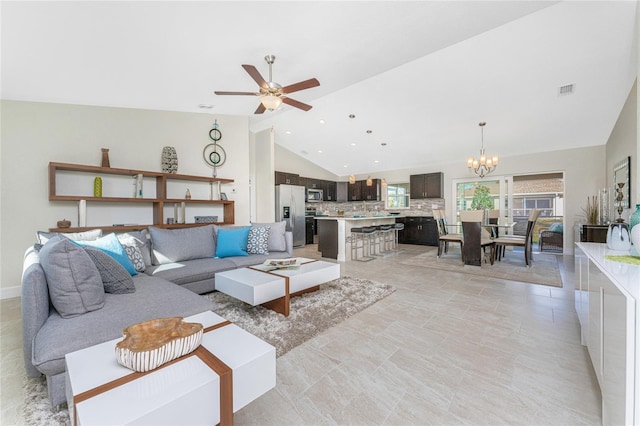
x=418 y=230
x=314 y=183
x=283 y=178
x=371 y=193
x=428 y=185
x=330 y=191
x=355 y=191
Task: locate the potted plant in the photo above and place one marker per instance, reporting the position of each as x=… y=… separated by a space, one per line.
x=591 y=210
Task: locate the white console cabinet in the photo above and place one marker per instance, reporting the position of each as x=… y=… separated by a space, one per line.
x=607 y=293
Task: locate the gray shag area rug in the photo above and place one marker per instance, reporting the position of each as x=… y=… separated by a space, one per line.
x=310 y=315
x=543 y=270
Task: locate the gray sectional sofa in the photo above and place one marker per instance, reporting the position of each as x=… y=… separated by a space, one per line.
x=176 y=266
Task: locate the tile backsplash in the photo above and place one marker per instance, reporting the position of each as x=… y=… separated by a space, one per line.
x=418 y=207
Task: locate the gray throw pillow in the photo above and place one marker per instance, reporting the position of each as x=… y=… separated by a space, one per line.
x=94 y=234
x=258 y=242
x=277 y=242
x=115 y=278
x=175 y=245
x=75 y=286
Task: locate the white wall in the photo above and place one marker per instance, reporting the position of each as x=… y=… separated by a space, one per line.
x=287 y=161
x=33 y=134
x=623 y=143
x=264 y=177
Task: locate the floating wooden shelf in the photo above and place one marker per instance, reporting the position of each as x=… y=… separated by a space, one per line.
x=158 y=203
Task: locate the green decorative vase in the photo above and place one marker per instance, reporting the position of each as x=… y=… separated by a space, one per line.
x=97 y=187
x=634 y=219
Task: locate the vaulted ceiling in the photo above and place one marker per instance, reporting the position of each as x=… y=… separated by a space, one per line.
x=419 y=75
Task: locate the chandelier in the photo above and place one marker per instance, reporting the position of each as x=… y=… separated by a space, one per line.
x=484 y=165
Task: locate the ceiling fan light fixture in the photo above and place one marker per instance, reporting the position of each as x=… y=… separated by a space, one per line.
x=271 y=102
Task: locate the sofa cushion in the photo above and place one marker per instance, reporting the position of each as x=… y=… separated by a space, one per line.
x=277 y=241
x=154 y=298
x=115 y=278
x=111 y=246
x=175 y=245
x=75 y=286
x=258 y=242
x=232 y=242
x=191 y=270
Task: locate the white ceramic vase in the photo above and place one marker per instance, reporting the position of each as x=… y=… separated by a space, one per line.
x=635 y=239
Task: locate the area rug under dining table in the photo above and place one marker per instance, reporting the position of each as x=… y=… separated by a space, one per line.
x=543 y=270
x=311 y=314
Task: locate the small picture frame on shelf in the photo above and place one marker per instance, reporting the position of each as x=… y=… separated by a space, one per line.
x=223 y=196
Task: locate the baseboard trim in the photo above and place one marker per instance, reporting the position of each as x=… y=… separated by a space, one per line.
x=10 y=292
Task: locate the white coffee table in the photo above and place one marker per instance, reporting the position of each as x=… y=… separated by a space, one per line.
x=192 y=390
x=274 y=289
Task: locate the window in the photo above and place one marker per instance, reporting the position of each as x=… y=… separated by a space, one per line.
x=397 y=196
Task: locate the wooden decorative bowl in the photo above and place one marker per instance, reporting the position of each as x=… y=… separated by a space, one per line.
x=150 y=344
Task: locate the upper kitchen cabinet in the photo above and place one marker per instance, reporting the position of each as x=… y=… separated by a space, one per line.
x=371 y=193
x=355 y=191
x=428 y=185
x=330 y=191
x=283 y=178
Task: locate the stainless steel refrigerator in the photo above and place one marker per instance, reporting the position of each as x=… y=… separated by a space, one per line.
x=290 y=208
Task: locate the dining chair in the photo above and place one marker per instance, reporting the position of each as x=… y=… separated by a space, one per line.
x=474 y=242
x=525 y=242
x=444 y=237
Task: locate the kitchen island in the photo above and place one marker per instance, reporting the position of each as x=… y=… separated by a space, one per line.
x=333 y=232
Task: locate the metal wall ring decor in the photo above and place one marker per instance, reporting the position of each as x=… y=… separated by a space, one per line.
x=214 y=155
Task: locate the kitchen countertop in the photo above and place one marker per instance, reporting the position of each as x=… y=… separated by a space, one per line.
x=357 y=217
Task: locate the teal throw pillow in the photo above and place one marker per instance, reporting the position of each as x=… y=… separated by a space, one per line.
x=232 y=242
x=110 y=245
x=556 y=227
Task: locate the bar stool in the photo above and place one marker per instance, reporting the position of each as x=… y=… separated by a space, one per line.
x=384 y=241
x=362 y=235
x=397 y=228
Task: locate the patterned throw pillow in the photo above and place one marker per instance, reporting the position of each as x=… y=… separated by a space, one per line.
x=133 y=247
x=258 y=240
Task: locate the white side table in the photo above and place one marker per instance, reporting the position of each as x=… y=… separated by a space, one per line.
x=188 y=391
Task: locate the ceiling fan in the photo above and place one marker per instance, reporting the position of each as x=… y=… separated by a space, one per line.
x=272 y=95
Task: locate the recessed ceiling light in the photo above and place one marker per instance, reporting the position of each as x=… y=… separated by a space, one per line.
x=353 y=144
x=319 y=151
x=322 y=121
x=288 y=132
x=345 y=166
x=205 y=106
x=376 y=161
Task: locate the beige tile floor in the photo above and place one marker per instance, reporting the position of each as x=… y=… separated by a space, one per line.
x=445 y=349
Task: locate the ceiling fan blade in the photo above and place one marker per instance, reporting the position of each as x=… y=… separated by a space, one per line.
x=307 y=84
x=217 y=92
x=260 y=109
x=255 y=74
x=296 y=104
